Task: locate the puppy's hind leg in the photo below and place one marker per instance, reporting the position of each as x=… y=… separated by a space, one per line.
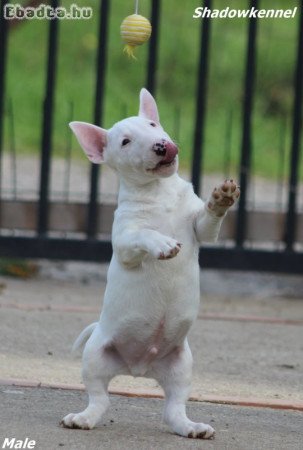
x=100 y=365
x=174 y=375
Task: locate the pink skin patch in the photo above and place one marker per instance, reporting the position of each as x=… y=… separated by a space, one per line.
x=157 y=338
x=135 y=353
x=171 y=153
x=154 y=351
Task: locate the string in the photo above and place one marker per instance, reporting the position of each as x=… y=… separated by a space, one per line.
x=136 y=6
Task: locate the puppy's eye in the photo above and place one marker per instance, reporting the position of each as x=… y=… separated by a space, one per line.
x=153 y=124
x=125 y=142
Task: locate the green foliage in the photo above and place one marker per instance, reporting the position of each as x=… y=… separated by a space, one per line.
x=176 y=79
x=17 y=268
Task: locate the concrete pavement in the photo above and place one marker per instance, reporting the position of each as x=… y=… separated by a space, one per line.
x=136 y=424
x=248 y=349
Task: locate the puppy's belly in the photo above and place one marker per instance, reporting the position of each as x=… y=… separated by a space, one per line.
x=139 y=343
x=147 y=312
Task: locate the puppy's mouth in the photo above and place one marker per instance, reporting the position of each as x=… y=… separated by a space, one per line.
x=163 y=164
x=166 y=163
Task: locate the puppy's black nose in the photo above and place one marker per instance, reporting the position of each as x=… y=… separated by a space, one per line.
x=160 y=148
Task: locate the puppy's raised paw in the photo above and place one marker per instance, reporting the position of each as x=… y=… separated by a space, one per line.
x=223 y=197
x=165 y=248
x=170 y=253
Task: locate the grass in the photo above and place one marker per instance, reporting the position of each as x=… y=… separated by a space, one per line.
x=176 y=81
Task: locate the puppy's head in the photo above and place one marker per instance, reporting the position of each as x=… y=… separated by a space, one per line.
x=137 y=147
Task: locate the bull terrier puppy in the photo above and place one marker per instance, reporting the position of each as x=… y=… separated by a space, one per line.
x=152 y=294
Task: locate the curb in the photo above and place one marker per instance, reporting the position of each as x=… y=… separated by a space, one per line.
x=158 y=393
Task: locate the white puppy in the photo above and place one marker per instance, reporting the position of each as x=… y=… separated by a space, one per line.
x=152 y=294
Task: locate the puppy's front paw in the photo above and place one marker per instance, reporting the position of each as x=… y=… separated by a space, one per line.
x=223 y=197
x=165 y=248
x=171 y=252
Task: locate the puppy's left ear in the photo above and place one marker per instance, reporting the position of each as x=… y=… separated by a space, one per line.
x=148 y=107
x=92 y=139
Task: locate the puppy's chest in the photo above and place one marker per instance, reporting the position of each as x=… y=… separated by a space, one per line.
x=173 y=218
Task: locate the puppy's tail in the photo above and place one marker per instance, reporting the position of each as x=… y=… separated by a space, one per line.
x=83 y=337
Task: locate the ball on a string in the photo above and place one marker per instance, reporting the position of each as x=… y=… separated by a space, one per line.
x=135 y=30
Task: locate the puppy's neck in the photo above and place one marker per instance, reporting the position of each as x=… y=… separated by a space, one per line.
x=146 y=191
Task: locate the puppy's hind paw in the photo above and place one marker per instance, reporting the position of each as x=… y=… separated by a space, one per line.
x=76 y=421
x=203 y=431
x=194 y=430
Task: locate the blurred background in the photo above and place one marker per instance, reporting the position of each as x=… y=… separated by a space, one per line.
x=176 y=79
x=201 y=99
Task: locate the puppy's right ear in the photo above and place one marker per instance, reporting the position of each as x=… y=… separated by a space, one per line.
x=148 y=106
x=92 y=139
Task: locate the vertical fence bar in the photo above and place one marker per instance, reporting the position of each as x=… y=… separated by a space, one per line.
x=246 y=147
x=282 y=132
x=68 y=154
x=177 y=124
x=13 y=153
x=92 y=222
x=48 y=110
x=3 y=52
x=201 y=100
x=290 y=230
x=153 y=46
x=227 y=144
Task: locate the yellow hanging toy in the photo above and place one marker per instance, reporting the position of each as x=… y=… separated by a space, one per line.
x=135 y=30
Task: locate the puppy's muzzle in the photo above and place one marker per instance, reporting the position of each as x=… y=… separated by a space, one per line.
x=167 y=150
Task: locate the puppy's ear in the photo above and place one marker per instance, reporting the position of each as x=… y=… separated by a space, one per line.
x=92 y=139
x=148 y=107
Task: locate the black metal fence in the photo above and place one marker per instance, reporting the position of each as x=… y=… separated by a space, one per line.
x=40 y=239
